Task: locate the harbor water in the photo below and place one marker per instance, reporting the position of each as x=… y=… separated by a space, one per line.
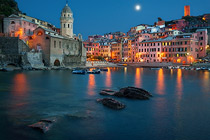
x=179 y=110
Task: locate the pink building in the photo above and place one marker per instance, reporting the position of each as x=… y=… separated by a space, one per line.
x=183 y=48
x=16 y=26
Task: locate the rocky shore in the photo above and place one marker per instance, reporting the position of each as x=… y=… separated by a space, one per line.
x=126 y=92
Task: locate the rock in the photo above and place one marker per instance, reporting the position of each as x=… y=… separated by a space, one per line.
x=133 y=93
x=49 y=120
x=79 y=116
x=111 y=103
x=44 y=125
x=107 y=92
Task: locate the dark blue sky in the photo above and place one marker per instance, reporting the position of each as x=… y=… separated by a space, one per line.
x=102 y=16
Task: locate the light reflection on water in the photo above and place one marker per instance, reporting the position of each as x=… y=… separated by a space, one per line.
x=180 y=99
x=108 y=78
x=91 y=84
x=160 y=82
x=20 y=86
x=179 y=84
x=138 y=82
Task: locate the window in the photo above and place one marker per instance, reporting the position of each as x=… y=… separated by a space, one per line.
x=59 y=44
x=12 y=22
x=158 y=49
x=68 y=26
x=64 y=25
x=201 y=33
x=185 y=42
x=39 y=33
x=54 y=44
x=201 y=44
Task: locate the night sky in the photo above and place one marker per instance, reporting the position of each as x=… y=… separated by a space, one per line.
x=102 y=16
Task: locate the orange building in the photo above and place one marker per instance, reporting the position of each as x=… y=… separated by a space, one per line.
x=116 y=51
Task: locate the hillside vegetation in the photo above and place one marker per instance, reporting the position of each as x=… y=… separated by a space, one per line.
x=8 y=7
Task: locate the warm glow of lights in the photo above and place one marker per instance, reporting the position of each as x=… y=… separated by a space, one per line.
x=19 y=33
x=138 y=78
x=179 y=85
x=206 y=82
x=204 y=18
x=108 y=78
x=125 y=70
x=178 y=60
x=20 y=85
x=91 y=84
x=39 y=33
x=160 y=83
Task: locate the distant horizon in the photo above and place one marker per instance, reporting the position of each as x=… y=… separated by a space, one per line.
x=93 y=19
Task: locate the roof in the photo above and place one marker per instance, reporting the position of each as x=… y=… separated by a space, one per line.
x=200 y=30
x=159 y=40
x=66 y=9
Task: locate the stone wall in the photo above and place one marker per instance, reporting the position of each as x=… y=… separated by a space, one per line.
x=9 y=45
x=35 y=59
x=74 y=53
x=12 y=51
x=1 y=24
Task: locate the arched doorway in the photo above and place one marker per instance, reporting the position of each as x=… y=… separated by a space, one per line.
x=57 y=63
x=39 y=47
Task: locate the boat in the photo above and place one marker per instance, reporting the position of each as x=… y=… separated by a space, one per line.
x=104 y=69
x=94 y=72
x=78 y=72
x=204 y=68
x=192 y=68
x=198 y=69
x=7 y=69
x=155 y=68
x=170 y=67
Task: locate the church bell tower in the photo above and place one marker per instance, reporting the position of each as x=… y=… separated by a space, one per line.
x=66 y=22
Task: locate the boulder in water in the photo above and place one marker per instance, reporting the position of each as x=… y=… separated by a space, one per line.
x=107 y=92
x=44 y=125
x=133 y=93
x=111 y=103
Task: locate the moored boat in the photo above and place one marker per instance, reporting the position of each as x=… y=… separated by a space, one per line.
x=78 y=72
x=104 y=69
x=155 y=68
x=94 y=72
x=198 y=68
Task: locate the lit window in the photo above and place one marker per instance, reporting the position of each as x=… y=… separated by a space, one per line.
x=39 y=33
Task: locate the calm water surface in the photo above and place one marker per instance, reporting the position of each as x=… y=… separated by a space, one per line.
x=179 y=110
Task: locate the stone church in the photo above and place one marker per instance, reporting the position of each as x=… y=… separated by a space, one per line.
x=59 y=49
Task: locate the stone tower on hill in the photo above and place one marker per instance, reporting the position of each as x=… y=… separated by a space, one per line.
x=66 y=22
x=186 y=10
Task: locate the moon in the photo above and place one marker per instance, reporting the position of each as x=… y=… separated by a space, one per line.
x=137 y=7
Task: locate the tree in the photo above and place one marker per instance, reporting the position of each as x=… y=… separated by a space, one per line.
x=160 y=19
x=8 y=7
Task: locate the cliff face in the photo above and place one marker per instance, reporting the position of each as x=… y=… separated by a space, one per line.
x=8 y=7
